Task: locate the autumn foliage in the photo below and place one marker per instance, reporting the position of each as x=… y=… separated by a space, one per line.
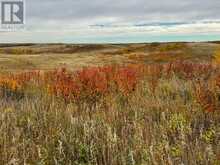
x=94 y=83
x=116 y=114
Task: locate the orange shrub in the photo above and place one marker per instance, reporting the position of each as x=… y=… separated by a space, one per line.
x=189 y=70
x=206 y=98
x=14 y=84
x=94 y=83
x=127 y=79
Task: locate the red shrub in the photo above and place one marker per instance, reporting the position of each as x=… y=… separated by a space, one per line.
x=93 y=80
x=126 y=79
x=206 y=98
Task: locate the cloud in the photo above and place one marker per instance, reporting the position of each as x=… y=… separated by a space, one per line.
x=68 y=20
x=123 y=10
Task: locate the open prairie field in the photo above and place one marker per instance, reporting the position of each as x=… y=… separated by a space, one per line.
x=129 y=104
x=47 y=57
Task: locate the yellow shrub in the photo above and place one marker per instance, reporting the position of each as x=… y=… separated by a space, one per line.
x=9 y=83
x=216 y=57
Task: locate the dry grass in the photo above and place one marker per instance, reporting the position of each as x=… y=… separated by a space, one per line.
x=48 y=57
x=151 y=112
x=169 y=117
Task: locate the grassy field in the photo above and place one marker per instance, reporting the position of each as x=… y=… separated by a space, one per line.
x=134 y=104
x=47 y=57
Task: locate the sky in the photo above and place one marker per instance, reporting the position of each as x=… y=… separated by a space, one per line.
x=117 y=21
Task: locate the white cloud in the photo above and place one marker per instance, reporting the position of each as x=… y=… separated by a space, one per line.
x=68 y=20
x=77 y=34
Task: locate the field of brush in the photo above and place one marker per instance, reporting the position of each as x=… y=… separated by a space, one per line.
x=131 y=104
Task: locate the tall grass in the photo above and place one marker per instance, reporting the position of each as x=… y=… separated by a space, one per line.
x=114 y=115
